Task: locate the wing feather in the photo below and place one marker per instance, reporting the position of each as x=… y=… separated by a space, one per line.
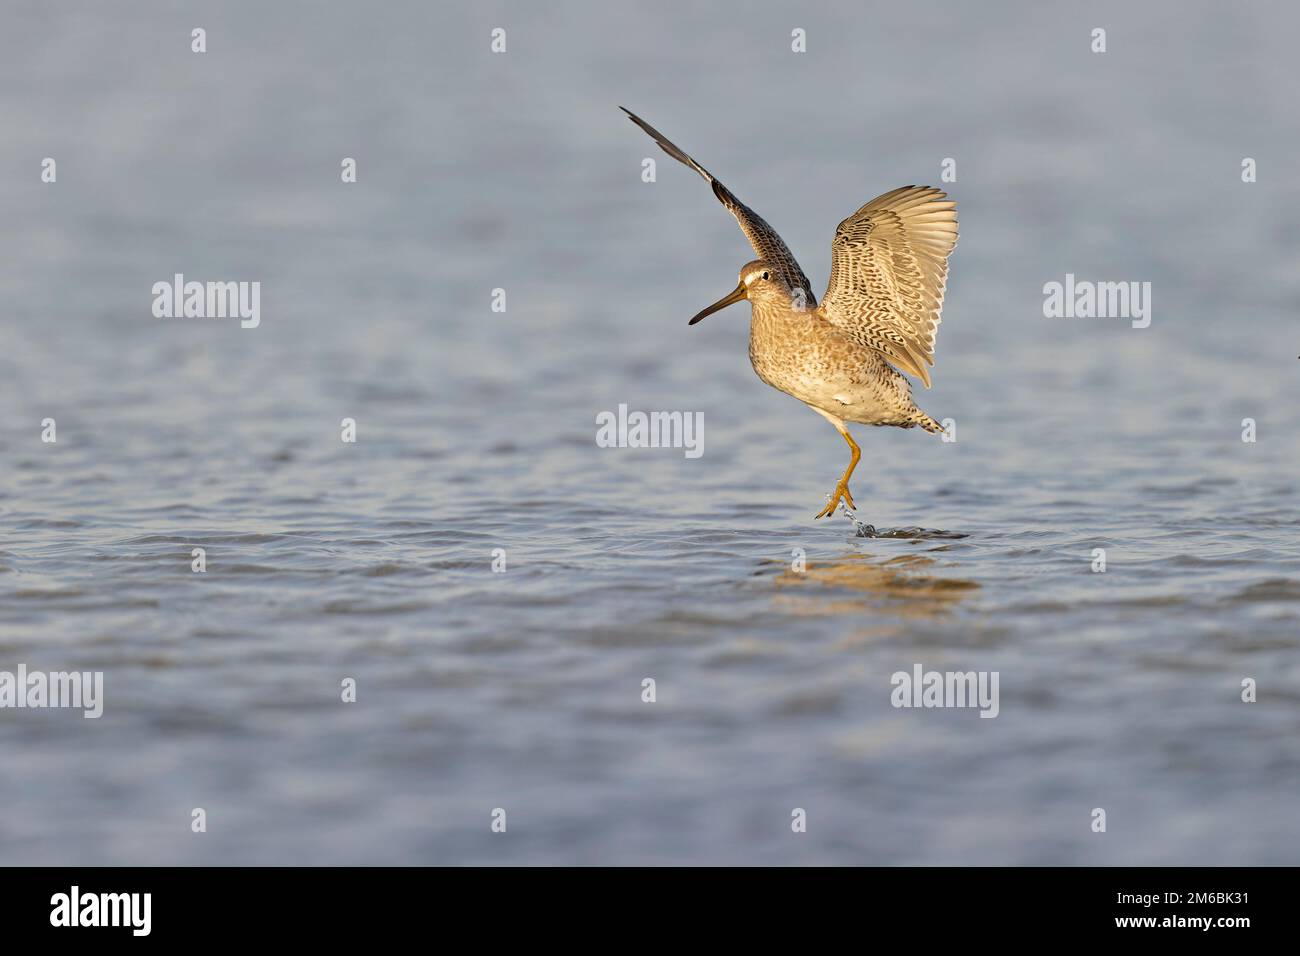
x=766 y=242
x=889 y=269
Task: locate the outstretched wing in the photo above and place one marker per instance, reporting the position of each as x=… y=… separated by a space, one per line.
x=761 y=236
x=889 y=266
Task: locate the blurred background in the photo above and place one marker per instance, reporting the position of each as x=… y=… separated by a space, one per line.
x=476 y=431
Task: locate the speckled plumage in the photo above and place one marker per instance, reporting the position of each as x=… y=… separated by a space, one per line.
x=806 y=356
x=880 y=314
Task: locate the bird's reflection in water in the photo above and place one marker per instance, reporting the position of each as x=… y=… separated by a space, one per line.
x=904 y=585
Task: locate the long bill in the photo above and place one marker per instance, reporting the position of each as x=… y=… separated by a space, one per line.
x=730 y=299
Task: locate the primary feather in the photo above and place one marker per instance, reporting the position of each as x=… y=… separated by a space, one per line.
x=889 y=268
x=765 y=240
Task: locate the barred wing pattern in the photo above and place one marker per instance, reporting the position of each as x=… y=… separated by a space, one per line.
x=767 y=244
x=889 y=266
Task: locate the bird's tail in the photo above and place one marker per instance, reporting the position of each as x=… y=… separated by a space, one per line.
x=928 y=423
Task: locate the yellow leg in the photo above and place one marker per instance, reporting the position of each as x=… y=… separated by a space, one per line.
x=842 y=489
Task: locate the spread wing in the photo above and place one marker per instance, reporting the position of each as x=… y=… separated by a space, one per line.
x=761 y=236
x=889 y=266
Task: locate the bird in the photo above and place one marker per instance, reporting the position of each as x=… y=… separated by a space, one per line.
x=845 y=357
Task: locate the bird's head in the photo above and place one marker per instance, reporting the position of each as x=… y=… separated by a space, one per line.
x=759 y=282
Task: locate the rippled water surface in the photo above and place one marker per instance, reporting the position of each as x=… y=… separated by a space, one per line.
x=476 y=431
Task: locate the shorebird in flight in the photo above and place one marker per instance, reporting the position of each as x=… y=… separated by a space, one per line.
x=842 y=357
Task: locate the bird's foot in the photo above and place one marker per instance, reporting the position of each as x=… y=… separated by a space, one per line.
x=841 y=492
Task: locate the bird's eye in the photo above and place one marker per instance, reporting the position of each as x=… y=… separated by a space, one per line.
x=764 y=275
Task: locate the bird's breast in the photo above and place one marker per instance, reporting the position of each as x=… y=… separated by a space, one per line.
x=794 y=353
x=802 y=355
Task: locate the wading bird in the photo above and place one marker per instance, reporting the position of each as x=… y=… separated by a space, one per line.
x=889 y=265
